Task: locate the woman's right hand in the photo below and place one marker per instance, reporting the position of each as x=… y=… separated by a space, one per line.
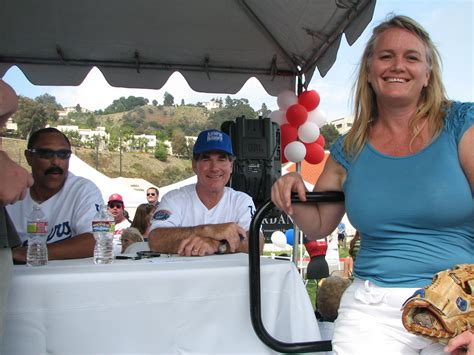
x=461 y=344
x=282 y=189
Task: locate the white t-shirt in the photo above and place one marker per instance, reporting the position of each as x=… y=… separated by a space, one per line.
x=119 y=227
x=69 y=212
x=183 y=208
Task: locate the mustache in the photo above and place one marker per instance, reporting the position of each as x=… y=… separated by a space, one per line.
x=53 y=170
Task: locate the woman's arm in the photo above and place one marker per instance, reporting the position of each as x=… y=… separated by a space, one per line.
x=315 y=220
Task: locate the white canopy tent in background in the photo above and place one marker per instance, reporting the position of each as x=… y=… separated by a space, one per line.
x=177 y=185
x=216 y=45
x=106 y=185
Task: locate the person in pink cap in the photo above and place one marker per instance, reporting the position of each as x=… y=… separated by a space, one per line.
x=116 y=208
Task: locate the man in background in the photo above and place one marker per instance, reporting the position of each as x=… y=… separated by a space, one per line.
x=14 y=184
x=152 y=195
x=69 y=202
x=207 y=217
x=116 y=208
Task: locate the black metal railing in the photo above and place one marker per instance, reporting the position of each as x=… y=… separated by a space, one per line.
x=254 y=271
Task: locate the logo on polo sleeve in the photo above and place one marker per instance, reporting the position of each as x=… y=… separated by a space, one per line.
x=162 y=215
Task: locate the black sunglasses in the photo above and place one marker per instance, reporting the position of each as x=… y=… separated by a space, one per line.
x=115 y=204
x=151 y=194
x=45 y=153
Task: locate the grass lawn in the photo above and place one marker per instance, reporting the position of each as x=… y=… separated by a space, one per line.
x=311 y=284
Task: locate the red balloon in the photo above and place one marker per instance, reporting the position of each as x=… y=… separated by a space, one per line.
x=296 y=115
x=314 y=153
x=288 y=134
x=320 y=141
x=309 y=99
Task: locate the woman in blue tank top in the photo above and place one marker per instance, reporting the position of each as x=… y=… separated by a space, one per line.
x=407 y=171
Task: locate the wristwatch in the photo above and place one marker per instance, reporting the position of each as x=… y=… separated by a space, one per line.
x=222 y=249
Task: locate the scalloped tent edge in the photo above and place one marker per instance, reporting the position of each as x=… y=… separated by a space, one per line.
x=216 y=45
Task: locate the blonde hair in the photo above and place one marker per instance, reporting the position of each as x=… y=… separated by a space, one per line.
x=432 y=101
x=133 y=234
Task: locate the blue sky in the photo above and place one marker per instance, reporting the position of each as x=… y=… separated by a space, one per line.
x=450 y=24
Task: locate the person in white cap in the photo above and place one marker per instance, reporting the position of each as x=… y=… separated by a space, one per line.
x=207 y=217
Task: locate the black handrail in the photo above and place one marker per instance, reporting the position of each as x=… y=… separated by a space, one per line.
x=254 y=270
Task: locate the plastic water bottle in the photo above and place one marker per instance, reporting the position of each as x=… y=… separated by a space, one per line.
x=103 y=226
x=37 y=229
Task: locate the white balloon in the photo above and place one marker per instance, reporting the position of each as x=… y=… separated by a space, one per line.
x=317 y=116
x=279 y=239
x=295 y=151
x=308 y=132
x=278 y=117
x=285 y=99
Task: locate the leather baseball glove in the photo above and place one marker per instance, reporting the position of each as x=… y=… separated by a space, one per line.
x=445 y=308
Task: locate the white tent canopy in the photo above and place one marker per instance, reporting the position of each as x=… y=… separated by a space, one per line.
x=177 y=185
x=106 y=185
x=217 y=45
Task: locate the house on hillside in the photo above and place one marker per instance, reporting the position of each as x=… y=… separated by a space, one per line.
x=87 y=135
x=343 y=124
x=63 y=113
x=211 y=105
x=11 y=126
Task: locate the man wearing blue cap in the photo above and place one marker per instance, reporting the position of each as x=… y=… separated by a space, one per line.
x=207 y=217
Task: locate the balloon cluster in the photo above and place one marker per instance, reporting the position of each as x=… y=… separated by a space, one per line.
x=282 y=240
x=300 y=121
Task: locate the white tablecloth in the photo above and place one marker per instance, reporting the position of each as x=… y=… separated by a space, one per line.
x=166 y=305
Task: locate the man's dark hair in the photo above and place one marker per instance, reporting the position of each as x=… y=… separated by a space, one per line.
x=35 y=136
x=153 y=188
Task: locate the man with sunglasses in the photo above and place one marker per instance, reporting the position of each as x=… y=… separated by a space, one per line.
x=68 y=201
x=152 y=195
x=207 y=217
x=116 y=208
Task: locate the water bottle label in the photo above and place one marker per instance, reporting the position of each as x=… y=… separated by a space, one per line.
x=37 y=227
x=103 y=226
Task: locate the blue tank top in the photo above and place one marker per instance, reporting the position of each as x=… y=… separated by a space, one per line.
x=415 y=213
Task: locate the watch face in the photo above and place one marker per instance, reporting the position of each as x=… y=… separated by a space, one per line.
x=222 y=247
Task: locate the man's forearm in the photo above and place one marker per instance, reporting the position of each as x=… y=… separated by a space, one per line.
x=80 y=246
x=167 y=240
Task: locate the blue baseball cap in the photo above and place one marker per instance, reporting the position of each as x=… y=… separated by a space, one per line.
x=211 y=140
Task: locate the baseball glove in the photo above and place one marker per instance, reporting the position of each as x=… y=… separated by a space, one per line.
x=443 y=309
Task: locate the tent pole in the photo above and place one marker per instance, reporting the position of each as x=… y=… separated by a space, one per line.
x=296 y=235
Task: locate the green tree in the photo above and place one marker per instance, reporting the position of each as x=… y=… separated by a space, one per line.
x=233 y=108
x=114 y=142
x=330 y=133
x=168 y=99
x=179 y=144
x=125 y=104
x=264 y=111
x=30 y=116
x=155 y=103
x=74 y=137
x=78 y=108
x=91 y=121
x=141 y=144
x=161 y=151
x=50 y=105
x=182 y=102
